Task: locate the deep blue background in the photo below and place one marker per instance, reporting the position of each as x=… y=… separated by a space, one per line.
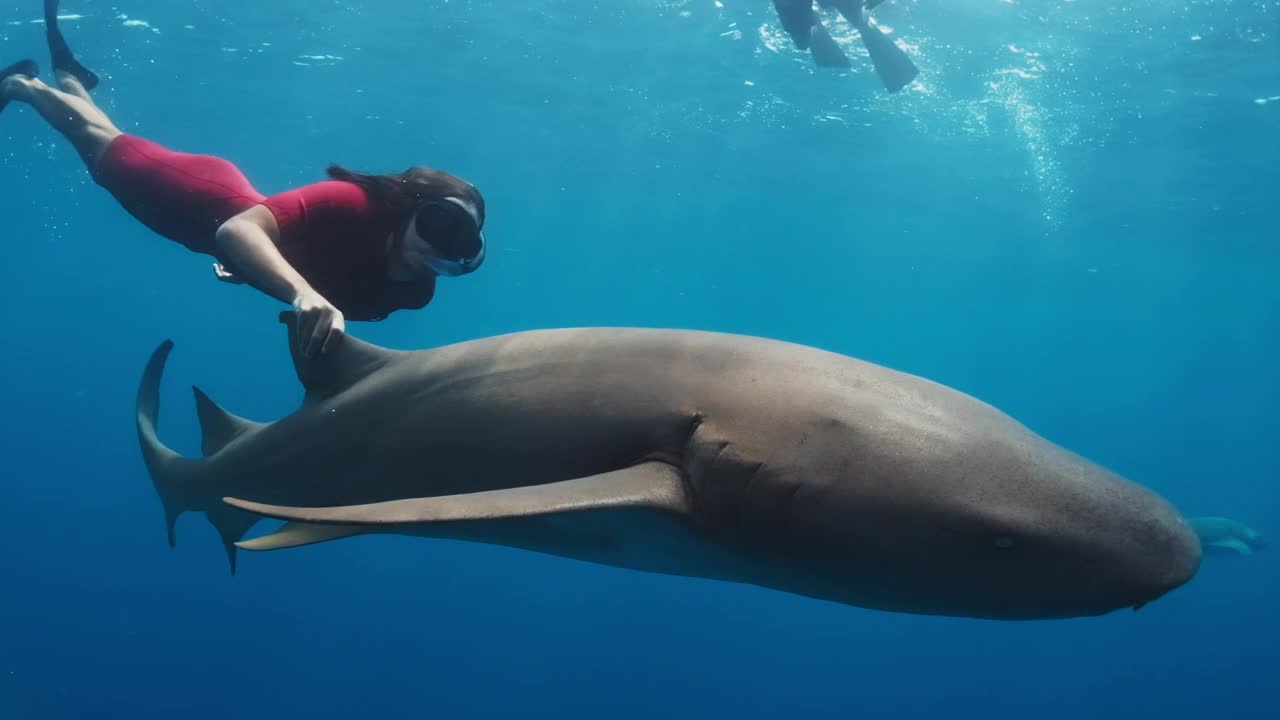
x=1071 y=216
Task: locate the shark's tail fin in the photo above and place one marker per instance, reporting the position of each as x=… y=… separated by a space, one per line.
x=175 y=477
x=168 y=469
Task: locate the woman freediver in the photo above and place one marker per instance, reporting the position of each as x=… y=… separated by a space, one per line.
x=358 y=246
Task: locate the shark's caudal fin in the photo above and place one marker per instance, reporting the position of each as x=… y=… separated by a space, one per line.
x=176 y=478
x=168 y=470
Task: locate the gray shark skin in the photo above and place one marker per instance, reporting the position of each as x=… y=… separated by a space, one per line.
x=689 y=453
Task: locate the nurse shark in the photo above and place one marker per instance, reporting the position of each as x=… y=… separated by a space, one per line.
x=689 y=453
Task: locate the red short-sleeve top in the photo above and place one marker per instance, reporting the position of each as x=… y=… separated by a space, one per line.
x=336 y=238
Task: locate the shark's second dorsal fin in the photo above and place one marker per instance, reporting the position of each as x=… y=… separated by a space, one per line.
x=217 y=426
x=346 y=362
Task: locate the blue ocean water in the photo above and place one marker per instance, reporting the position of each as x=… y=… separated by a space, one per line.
x=1071 y=215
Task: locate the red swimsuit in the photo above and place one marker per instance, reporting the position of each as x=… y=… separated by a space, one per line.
x=330 y=232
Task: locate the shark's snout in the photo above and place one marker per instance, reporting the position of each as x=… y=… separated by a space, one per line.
x=1170 y=557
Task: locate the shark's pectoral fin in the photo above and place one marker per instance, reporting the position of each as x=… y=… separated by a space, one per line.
x=297 y=534
x=651 y=485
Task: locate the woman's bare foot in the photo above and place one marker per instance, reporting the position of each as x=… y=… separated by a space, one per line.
x=69 y=109
x=16 y=87
x=11 y=87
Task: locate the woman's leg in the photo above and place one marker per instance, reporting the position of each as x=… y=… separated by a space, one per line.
x=179 y=196
x=68 y=109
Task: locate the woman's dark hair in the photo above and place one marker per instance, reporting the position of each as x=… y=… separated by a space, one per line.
x=400 y=193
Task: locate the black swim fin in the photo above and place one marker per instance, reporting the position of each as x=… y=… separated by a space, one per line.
x=797 y=18
x=22 y=67
x=893 y=65
x=61 y=53
x=826 y=53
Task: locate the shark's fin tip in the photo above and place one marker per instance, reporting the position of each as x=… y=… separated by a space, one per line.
x=218 y=426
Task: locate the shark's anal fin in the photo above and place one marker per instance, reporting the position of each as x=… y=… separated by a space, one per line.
x=217 y=426
x=231 y=525
x=297 y=534
x=653 y=485
x=347 y=361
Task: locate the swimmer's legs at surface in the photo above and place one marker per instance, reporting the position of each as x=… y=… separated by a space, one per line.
x=68 y=109
x=892 y=64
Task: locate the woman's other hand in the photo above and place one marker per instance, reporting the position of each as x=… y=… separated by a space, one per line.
x=226 y=275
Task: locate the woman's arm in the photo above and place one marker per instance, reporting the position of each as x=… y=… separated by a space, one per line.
x=247 y=244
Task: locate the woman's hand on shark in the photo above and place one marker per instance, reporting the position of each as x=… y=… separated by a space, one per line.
x=319 y=324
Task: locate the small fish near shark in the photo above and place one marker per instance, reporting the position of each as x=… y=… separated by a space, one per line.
x=1226 y=536
x=689 y=453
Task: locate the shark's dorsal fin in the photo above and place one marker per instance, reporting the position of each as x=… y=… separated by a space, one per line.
x=217 y=426
x=347 y=361
x=652 y=485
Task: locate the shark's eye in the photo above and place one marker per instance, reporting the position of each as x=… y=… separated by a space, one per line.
x=1002 y=541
